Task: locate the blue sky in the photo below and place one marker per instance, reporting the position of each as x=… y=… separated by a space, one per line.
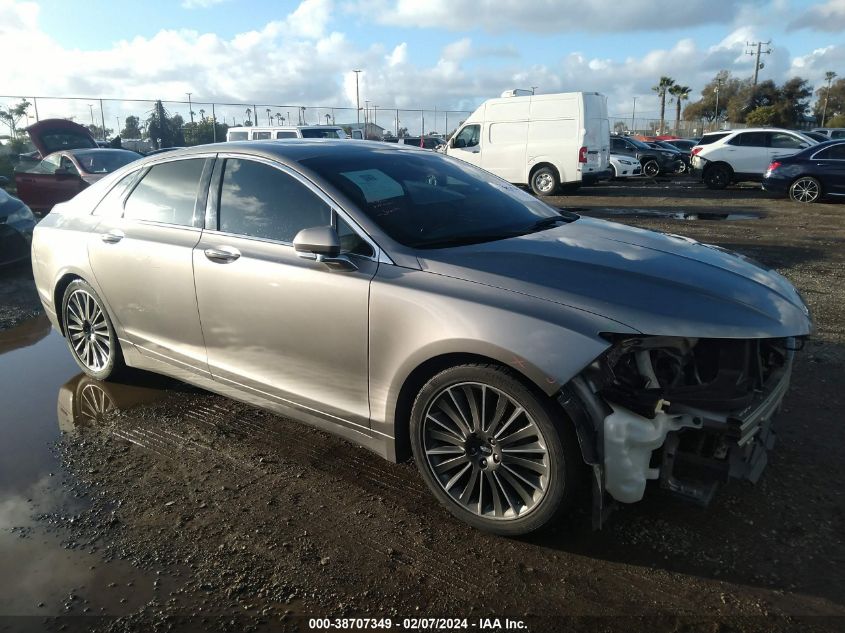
x=414 y=54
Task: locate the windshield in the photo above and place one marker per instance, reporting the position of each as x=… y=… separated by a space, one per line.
x=426 y=200
x=104 y=161
x=331 y=132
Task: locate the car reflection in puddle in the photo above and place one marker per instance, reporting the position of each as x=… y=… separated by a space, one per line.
x=85 y=402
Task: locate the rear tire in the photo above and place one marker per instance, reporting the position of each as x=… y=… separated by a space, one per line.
x=717 y=177
x=545 y=182
x=90 y=333
x=806 y=190
x=497 y=455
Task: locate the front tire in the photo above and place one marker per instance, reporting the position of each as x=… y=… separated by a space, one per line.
x=545 y=182
x=498 y=456
x=89 y=332
x=651 y=168
x=806 y=190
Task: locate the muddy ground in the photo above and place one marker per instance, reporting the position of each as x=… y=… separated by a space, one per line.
x=184 y=509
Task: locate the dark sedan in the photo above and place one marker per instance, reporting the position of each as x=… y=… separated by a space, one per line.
x=654 y=160
x=809 y=175
x=16 y=225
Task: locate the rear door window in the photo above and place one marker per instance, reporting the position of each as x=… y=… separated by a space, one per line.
x=258 y=200
x=167 y=193
x=285 y=134
x=712 y=138
x=835 y=152
x=750 y=139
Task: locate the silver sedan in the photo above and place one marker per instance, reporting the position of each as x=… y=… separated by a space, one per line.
x=421 y=307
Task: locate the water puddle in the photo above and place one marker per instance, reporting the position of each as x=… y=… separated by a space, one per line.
x=44 y=395
x=668 y=214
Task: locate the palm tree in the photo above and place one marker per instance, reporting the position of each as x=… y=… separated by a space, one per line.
x=249 y=115
x=269 y=117
x=279 y=118
x=680 y=93
x=202 y=115
x=661 y=89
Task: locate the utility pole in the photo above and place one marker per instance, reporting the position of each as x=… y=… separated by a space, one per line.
x=213 y=124
x=830 y=76
x=634 y=115
x=758 y=64
x=718 y=85
x=357 y=97
x=91 y=109
x=534 y=89
x=103 y=119
x=190 y=107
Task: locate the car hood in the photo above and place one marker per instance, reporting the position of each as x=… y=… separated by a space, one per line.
x=53 y=135
x=653 y=282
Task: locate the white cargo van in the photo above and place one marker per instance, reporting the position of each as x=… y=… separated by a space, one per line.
x=266 y=133
x=545 y=141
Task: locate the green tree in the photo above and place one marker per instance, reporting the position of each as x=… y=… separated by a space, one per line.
x=680 y=93
x=836 y=121
x=835 y=98
x=203 y=132
x=97 y=131
x=763 y=115
x=164 y=130
x=131 y=128
x=705 y=108
x=661 y=89
x=794 y=101
x=13 y=115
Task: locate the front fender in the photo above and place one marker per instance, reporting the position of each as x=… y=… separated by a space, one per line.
x=416 y=316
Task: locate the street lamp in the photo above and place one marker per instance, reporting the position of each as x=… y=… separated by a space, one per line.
x=190 y=107
x=91 y=108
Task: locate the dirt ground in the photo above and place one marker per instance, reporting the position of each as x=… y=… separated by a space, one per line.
x=252 y=521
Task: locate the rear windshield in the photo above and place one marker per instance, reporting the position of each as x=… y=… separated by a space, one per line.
x=331 y=132
x=56 y=141
x=710 y=138
x=104 y=161
x=425 y=200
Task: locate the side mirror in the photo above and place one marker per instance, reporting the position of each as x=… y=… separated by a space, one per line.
x=321 y=243
x=318 y=240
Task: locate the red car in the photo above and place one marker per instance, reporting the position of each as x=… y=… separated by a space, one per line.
x=71 y=161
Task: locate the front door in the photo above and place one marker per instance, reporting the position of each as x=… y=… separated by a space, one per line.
x=279 y=325
x=141 y=257
x=467 y=145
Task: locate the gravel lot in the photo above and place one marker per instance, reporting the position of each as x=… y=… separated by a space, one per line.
x=183 y=503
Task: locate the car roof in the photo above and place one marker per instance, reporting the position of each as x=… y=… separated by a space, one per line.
x=286 y=150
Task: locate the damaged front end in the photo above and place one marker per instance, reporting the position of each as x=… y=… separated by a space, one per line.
x=688 y=412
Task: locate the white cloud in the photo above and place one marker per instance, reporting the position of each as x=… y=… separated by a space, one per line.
x=201 y=4
x=546 y=16
x=829 y=17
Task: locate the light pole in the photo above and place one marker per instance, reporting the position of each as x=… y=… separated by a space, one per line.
x=366 y=116
x=716 y=115
x=375 y=114
x=91 y=108
x=190 y=107
x=830 y=76
x=534 y=89
x=357 y=97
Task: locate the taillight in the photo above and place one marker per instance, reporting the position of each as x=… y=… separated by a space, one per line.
x=775 y=164
x=582 y=155
x=695 y=150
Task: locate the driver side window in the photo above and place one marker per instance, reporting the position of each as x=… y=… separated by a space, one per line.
x=470 y=135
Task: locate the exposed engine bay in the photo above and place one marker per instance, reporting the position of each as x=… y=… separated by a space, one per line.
x=688 y=412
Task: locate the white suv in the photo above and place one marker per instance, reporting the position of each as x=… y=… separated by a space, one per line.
x=741 y=155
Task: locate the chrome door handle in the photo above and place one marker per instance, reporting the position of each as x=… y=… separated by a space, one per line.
x=113 y=236
x=222 y=255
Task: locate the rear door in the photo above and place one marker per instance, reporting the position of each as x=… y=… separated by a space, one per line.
x=748 y=153
x=141 y=255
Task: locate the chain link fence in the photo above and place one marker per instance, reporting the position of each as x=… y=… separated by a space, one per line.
x=108 y=117
x=684 y=129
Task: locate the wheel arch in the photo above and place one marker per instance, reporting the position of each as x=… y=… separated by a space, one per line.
x=718 y=163
x=540 y=165
x=58 y=295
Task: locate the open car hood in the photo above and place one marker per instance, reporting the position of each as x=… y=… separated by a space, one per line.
x=53 y=135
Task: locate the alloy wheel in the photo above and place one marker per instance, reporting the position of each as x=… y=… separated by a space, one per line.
x=544 y=182
x=88 y=330
x=651 y=168
x=485 y=451
x=805 y=190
